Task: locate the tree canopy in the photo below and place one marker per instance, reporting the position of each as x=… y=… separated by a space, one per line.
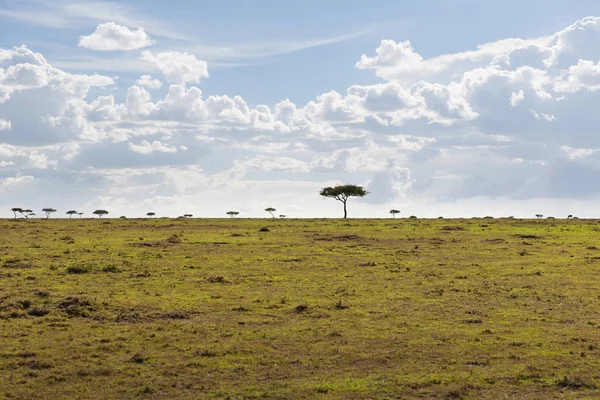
x=271 y=210
x=342 y=193
x=232 y=214
x=70 y=213
x=48 y=211
x=394 y=212
x=100 y=213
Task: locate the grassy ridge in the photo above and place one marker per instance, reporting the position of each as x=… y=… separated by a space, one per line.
x=309 y=309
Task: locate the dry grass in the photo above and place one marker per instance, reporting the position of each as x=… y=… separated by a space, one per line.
x=357 y=309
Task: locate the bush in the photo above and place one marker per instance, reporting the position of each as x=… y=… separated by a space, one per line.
x=78 y=269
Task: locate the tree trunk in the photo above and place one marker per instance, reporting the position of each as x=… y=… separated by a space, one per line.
x=345 y=211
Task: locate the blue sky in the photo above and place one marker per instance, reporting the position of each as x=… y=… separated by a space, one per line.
x=460 y=105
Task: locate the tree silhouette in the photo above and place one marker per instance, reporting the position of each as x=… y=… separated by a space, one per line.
x=27 y=213
x=394 y=212
x=48 y=211
x=233 y=214
x=151 y=214
x=271 y=210
x=342 y=192
x=100 y=213
x=80 y=214
x=70 y=213
x=187 y=215
x=16 y=210
x=282 y=216
x=539 y=216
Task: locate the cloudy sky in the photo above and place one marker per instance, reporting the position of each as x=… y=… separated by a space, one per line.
x=438 y=107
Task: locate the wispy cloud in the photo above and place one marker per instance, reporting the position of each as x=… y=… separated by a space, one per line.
x=264 y=49
x=79 y=14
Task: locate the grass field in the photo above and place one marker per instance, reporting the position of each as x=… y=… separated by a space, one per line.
x=315 y=309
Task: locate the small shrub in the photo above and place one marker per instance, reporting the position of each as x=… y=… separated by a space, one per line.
x=301 y=308
x=38 y=312
x=412 y=217
x=215 y=279
x=112 y=269
x=139 y=358
x=574 y=384
x=78 y=269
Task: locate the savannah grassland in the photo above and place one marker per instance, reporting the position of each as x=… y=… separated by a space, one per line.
x=311 y=309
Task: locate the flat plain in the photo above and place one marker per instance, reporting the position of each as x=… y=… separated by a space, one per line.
x=305 y=309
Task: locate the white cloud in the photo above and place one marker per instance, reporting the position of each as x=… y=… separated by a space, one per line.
x=113 y=37
x=146 y=147
x=5 y=124
x=9 y=183
x=516 y=98
x=177 y=67
x=146 y=80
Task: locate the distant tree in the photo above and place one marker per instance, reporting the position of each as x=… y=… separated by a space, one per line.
x=80 y=214
x=342 y=192
x=48 y=211
x=412 y=217
x=151 y=214
x=100 y=213
x=16 y=210
x=271 y=210
x=539 y=216
x=70 y=213
x=394 y=212
x=233 y=214
x=27 y=213
x=282 y=216
x=187 y=215
x=570 y=217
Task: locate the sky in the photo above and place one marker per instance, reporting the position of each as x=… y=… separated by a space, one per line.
x=454 y=108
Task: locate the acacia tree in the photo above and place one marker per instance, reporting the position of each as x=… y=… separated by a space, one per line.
x=271 y=210
x=342 y=193
x=16 y=210
x=100 y=213
x=539 y=216
x=80 y=214
x=48 y=211
x=187 y=215
x=151 y=214
x=27 y=213
x=394 y=212
x=233 y=214
x=70 y=213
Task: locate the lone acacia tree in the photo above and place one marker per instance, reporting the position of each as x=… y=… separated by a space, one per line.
x=80 y=214
x=394 y=212
x=187 y=215
x=100 y=213
x=271 y=210
x=342 y=192
x=151 y=214
x=48 y=211
x=70 y=213
x=16 y=210
x=233 y=214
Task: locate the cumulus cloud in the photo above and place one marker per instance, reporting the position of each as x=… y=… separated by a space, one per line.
x=5 y=124
x=113 y=37
x=146 y=80
x=178 y=67
x=146 y=147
